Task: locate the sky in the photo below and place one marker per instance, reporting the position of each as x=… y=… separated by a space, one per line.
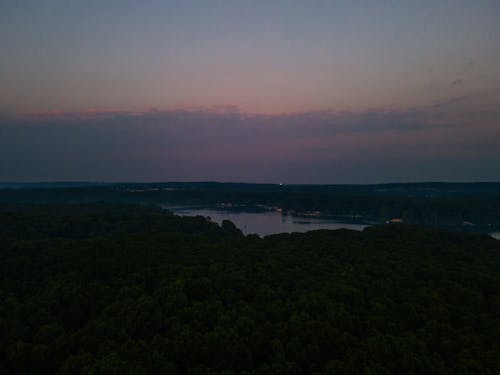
x=250 y=91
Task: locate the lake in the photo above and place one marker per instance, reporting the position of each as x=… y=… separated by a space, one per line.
x=266 y=222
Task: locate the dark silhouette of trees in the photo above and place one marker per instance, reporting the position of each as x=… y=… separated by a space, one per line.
x=132 y=289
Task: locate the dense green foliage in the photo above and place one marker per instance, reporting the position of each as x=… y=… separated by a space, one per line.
x=114 y=289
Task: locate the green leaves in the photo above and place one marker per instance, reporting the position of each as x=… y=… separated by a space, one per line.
x=180 y=295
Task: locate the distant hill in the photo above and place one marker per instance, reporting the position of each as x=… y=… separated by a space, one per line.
x=472 y=207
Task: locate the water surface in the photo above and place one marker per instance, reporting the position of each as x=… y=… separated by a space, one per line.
x=267 y=222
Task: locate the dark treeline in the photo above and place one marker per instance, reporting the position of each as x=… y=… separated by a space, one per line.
x=473 y=207
x=122 y=289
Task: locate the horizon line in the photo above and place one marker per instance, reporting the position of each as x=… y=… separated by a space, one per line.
x=91 y=182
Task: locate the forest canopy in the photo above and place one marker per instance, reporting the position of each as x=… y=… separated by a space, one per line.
x=133 y=289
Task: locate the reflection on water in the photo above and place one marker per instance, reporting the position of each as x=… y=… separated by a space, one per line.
x=495 y=235
x=267 y=222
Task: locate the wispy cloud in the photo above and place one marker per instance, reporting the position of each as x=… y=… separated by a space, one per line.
x=231 y=116
x=221 y=143
x=487 y=97
x=451 y=101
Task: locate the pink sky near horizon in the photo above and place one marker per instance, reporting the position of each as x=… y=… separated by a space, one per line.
x=267 y=58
